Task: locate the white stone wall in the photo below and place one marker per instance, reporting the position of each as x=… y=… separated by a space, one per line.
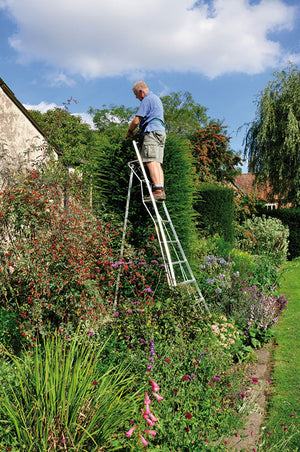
x=20 y=141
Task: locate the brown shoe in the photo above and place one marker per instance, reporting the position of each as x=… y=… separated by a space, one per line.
x=159 y=195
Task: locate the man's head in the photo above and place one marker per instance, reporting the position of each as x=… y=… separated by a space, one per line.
x=140 y=89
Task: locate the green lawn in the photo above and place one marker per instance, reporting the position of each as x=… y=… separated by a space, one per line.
x=283 y=424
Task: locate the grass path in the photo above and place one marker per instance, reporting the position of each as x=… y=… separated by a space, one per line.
x=284 y=404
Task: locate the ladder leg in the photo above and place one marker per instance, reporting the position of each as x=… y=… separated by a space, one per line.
x=123 y=239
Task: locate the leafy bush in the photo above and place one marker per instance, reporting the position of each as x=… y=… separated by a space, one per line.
x=263 y=236
x=55 y=262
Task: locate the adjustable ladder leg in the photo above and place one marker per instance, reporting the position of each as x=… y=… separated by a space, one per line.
x=123 y=238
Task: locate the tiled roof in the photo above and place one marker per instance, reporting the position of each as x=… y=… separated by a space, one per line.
x=246 y=183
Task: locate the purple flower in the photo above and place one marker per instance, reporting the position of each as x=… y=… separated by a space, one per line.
x=129 y=311
x=154 y=262
x=148 y=290
x=116 y=314
x=90 y=333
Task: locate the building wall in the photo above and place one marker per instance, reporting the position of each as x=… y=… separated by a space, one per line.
x=20 y=140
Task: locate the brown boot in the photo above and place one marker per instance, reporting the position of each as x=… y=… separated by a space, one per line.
x=159 y=195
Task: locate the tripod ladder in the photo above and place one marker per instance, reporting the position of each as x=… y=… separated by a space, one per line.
x=178 y=270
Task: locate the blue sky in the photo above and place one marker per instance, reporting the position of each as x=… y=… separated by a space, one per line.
x=223 y=52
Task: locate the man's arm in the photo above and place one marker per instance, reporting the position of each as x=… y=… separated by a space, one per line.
x=133 y=125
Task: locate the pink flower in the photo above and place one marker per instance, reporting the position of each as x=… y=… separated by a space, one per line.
x=146 y=417
x=152 y=417
x=129 y=433
x=147 y=400
x=155 y=386
x=145 y=443
x=95 y=383
x=255 y=381
x=167 y=360
x=159 y=398
x=151 y=432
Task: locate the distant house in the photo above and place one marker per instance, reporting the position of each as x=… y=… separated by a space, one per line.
x=246 y=184
x=22 y=140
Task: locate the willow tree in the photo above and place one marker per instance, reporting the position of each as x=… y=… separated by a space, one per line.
x=273 y=139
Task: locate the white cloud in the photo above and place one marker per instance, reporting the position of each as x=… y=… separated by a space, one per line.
x=98 y=38
x=42 y=107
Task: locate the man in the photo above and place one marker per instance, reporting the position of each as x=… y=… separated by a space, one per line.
x=149 y=119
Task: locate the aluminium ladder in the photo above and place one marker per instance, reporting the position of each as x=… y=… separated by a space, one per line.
x=178 y=270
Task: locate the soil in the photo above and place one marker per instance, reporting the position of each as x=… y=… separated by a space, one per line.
x=257 y=395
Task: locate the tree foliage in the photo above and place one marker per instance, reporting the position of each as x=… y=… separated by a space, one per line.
x=68 y=133
x=182 y=114
x=273 y=139
x=214 y=161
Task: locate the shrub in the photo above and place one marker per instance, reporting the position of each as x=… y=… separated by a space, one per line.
x=55 y=262
x=263 y=236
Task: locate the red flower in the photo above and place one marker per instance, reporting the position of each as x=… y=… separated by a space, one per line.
x=188 y=415
x=95 y=383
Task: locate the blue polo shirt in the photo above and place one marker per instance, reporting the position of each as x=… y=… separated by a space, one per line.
x=151 y=113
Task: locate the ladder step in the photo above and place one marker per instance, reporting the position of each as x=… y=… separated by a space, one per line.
x=188 y=281
x=179 y=262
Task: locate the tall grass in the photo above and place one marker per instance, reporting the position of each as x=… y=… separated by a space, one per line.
x=61 y=400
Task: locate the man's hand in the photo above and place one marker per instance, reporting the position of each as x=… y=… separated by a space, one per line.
x=133 y=125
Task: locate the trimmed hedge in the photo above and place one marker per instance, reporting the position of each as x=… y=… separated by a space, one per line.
x=215 y=207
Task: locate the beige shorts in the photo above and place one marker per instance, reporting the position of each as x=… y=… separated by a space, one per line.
x=153 y=147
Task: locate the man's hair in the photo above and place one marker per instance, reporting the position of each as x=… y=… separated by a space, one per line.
x=140 y=86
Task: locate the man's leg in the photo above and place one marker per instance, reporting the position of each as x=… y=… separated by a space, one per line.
x=156 y=173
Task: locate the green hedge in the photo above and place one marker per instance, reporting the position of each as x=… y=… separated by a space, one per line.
x=215 y=207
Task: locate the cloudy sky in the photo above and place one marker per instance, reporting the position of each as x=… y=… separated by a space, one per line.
x=223 y=52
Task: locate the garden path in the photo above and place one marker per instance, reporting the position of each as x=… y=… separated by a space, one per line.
x=256 y=393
